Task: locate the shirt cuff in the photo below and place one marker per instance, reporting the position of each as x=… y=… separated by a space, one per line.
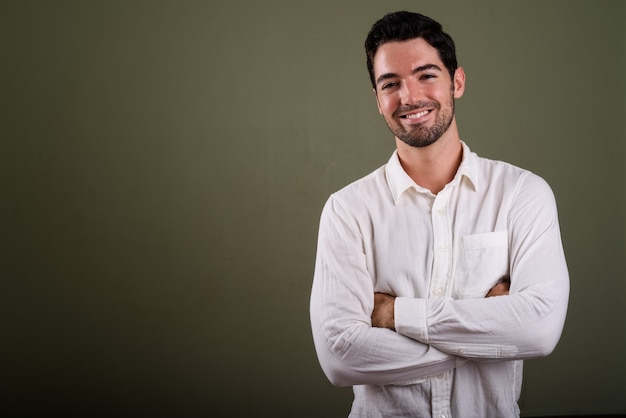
x=410 y=318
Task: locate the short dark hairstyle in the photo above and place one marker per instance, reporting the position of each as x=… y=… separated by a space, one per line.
x=403 y=26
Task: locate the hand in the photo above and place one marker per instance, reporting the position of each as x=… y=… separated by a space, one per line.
x=500 y=289
x=383 y=316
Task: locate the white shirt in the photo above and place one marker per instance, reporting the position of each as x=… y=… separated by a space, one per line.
x=454 y=353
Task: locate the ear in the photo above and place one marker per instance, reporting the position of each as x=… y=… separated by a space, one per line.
x=459 y=82
x=377 y=102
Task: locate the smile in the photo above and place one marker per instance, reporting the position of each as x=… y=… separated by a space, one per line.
x=416 y=115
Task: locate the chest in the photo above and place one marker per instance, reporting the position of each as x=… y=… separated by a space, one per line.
x=438 y=246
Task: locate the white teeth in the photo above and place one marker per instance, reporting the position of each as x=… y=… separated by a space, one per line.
x=417 y=115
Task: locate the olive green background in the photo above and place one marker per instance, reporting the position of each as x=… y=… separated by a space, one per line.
x=163 y=166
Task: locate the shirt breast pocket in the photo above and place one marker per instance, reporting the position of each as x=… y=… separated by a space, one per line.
x=483 y=261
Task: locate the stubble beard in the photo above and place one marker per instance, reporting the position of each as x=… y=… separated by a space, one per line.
x=422 y=136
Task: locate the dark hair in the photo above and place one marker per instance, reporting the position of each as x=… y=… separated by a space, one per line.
x=403 y=26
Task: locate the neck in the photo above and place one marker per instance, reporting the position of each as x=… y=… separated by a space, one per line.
x=434 y=166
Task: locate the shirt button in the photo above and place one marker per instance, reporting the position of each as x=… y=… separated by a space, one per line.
x=461 y=351
x=442 y=249
x=442 y=416
x=438 y=292
x=440 y=211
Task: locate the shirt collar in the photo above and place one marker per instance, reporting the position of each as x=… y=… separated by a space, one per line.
x=399 y=181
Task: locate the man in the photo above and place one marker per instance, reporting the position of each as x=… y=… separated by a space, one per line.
x=411 y=302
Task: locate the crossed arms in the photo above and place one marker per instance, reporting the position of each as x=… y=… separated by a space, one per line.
x=383 y=313
x=363 y=336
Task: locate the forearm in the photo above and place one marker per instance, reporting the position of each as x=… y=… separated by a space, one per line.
x=361 y=354
x=517 y=326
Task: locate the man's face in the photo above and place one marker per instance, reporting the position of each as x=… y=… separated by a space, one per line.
x=414 y=91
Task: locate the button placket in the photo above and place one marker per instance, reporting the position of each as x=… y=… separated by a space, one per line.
x=442 y=241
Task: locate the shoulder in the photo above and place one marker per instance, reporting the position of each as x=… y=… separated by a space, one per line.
x=355 y=201
x=510 y=175
x=365 y=189
x=529 y=196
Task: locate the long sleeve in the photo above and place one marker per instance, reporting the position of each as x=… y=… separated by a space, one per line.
x=349 y=349
x=528 y=322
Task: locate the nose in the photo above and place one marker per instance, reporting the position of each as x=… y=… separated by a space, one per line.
x=411 y=92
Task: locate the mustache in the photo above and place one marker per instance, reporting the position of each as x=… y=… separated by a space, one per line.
x=416 y=106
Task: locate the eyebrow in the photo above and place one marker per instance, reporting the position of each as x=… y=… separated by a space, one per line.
x=419 y=69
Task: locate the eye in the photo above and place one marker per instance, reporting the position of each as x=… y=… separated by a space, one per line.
x=428 y=76
x=389 y=85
